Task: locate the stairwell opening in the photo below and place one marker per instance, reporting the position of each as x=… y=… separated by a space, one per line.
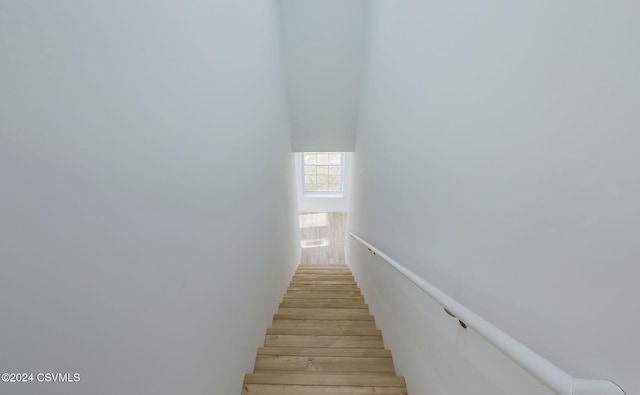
x=323 y=185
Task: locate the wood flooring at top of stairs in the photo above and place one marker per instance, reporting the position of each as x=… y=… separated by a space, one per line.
x=323 y=341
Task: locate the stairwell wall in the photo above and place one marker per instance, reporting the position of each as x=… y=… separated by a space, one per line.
x=148 y=204
x=323 y=55
x=497 y=157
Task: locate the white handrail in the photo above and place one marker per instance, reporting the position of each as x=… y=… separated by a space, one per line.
x=546 y=372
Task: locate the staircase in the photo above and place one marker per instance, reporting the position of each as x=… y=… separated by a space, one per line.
x=323 y=341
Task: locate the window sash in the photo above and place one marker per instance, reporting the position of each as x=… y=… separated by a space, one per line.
x=323 y=173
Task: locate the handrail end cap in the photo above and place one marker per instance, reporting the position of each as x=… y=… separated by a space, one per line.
x=596 y=387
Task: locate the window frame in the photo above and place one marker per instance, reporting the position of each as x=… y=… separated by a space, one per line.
x=328 y=194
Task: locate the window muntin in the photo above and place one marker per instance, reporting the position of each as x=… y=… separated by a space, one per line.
x=322 y=172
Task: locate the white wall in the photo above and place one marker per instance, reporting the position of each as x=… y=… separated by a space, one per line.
x=323 y=48
x=324 y=204
x=138 y=247
x=497 y=157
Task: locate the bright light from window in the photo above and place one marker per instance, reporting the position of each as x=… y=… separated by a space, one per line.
x=313 y=220
x=323 y=172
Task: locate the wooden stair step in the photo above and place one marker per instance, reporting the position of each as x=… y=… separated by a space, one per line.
x=326 y=352
x=338 y=287
x=345 y=313
x=325 y=272
x=324 y=290
x=322 y=283
x=293 y=299
x=318 y=282
x=324 y=379
x=327 y=276
x=326 y=286
x=314 y=323
x=346 y=289
x=267 y=389
x=324 y=304
x=308 y=313
x=342 y=304
x=321 y=316
x=311 y=284
x=325 y=331
x=322 y=295
x=324 y=267
x=323 y=341
x=323 y=364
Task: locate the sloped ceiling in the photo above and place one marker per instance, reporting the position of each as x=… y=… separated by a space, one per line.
x=323 y=49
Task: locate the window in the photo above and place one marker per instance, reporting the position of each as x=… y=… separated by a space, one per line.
x=323 y=172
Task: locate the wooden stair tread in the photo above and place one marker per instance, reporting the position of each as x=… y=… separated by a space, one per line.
x=326 y=331
x=324 y=379
x=326 y=352
x=322 y=295
x=322 y=302
x=317 y=323
x=323 y=277
x=335 y=288
x=292 y=291
x=322 y=316
x=336 y=273
x=324 y=283
x=269 y=389
x=323 y=364
x=320 y=310
x=332 y=267
x=311 y=284
x=327 y=305
x=345 y=341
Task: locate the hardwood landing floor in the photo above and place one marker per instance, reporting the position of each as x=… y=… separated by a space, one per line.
x=323 y=341
x=322 y=238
